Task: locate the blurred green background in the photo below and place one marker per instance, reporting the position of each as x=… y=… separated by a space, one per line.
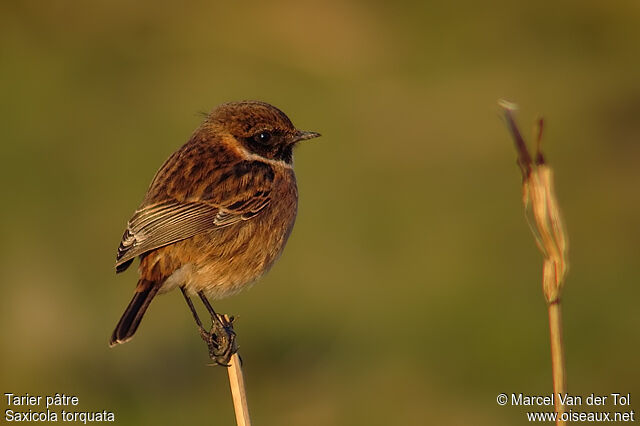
x=409 y=292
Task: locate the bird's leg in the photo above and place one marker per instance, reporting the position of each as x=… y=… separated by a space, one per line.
x=222 y=339
x=203 y=333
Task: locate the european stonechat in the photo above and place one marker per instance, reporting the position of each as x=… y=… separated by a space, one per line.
x=216 y=216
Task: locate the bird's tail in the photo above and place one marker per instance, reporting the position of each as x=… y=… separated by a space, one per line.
x=128 y=324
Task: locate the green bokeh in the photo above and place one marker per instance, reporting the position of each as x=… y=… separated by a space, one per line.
x=409 y=292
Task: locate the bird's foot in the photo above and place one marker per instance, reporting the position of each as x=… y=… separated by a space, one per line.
x=221 y=340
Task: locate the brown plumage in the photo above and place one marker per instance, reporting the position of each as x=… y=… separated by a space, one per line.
x=218 y=212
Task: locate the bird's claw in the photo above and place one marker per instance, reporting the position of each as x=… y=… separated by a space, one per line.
x=221 y=340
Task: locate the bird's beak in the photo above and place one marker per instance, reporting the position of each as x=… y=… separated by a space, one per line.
x=303 y=136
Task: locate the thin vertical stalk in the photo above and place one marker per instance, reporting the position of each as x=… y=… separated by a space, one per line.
x=238 y=391
x=545 y=220
x=557 y=358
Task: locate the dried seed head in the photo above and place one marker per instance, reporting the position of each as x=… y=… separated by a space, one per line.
x=541 y=208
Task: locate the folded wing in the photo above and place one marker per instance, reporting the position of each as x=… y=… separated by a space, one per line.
x=169 y=221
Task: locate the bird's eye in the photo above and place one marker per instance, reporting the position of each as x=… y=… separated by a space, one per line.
x=262 y=137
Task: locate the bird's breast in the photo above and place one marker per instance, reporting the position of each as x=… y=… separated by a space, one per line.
x=221 y=262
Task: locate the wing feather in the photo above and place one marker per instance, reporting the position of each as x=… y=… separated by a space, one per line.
x=169 y=221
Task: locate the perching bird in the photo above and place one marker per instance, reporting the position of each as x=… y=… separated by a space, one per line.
x=217 y=214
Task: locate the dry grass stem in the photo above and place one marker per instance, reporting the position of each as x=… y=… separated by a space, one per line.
x=545 y=220
x=238 y=391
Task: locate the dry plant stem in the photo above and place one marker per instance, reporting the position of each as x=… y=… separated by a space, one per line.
x=238 y=392
x=543 y=214
x=557 y=342
x=557 y=357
